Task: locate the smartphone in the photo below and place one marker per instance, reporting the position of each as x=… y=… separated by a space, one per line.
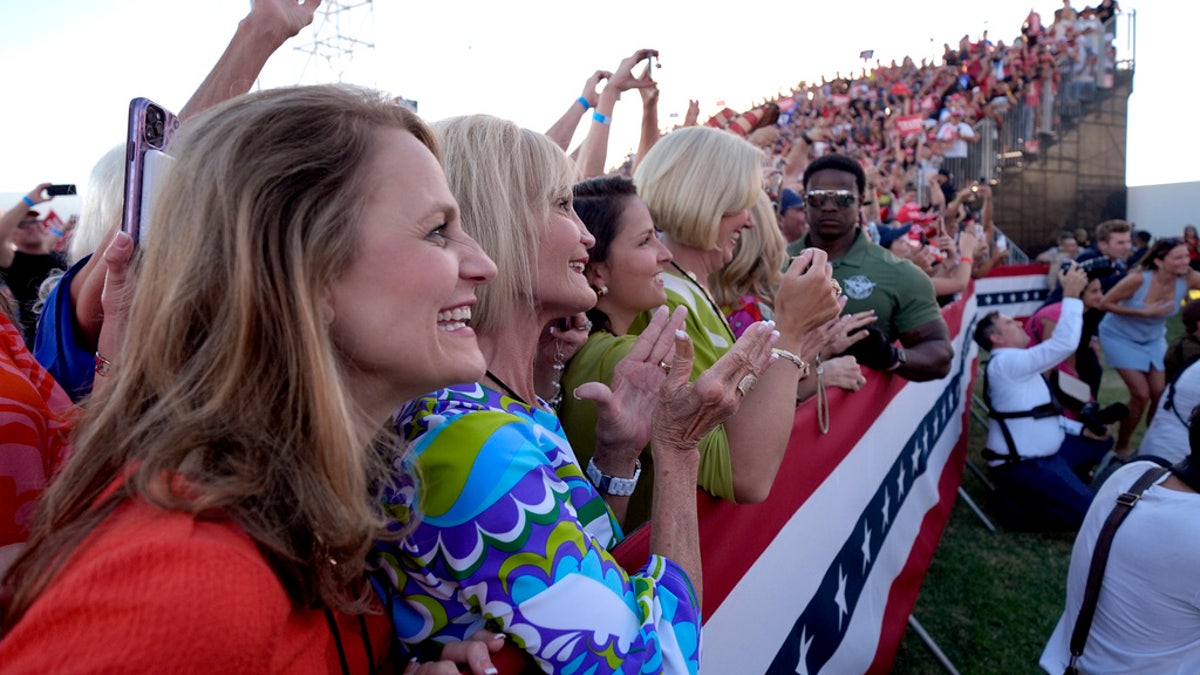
x=151 y=127
x=60 y=190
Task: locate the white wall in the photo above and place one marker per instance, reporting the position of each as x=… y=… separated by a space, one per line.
x=1164 y=209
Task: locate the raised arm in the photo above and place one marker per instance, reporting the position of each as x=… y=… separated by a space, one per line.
x=12 y=217
x=650 y=133
x=594 y=150
x=759 y=432
x=562 y=130
x=1125 y=288
x=269 y=24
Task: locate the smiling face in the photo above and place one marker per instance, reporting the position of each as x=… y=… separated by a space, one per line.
x=1177 y=261
x=729 y=230
x=398 y=313
x=632 y=270
x=560 y=287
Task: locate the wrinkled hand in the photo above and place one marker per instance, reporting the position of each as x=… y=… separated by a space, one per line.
x=805 y=298
x=474 y=652
x=687 y=411
x=623 y=79
x=284 y=18
x=843 y=372
x=590 y=93
x=622 y=425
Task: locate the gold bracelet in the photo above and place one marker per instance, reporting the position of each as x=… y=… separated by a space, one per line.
x=800 y=363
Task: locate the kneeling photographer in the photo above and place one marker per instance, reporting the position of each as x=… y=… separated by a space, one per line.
x=1038 y=458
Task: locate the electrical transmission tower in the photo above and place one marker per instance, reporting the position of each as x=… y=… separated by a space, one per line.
x=342 y=34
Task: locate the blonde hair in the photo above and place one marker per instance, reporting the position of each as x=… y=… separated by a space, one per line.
x=504 y=179
x=229 y=378
x=758 y=260
x=101 y=211
x=693 y=177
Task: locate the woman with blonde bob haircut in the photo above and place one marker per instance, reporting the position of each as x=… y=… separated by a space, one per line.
x=514 y=532
x=723 y=176
x=217 y=510
x=699 y=184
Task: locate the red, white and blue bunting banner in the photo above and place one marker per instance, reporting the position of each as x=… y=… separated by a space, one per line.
x=1015 y=290
x=822 y=576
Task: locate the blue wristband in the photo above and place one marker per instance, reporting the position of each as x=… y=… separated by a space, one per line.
x=29 y=202
x=56 y=232
x=584 y=102
x=600 y=118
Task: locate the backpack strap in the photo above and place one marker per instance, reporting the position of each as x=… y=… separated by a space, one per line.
x=1091 y=592
x=1051 y=409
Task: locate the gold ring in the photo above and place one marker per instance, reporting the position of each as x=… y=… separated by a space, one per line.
x=665 y=366
x=747 y=384
x=835 y=286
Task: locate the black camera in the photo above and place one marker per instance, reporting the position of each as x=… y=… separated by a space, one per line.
x=1096 y=419
x=1096 y=268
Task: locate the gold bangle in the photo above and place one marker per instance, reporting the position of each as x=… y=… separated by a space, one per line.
x=800 y=363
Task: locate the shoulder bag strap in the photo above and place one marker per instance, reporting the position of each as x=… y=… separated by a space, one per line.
x=1091 y=592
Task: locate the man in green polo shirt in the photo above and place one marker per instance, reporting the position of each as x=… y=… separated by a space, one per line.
x=901 y=295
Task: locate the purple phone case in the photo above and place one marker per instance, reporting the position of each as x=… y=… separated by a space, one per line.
x=137 y=143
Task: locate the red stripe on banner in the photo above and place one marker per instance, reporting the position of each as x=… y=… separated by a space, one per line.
x=903 y=595
x=808 y=461
x=1019 y=270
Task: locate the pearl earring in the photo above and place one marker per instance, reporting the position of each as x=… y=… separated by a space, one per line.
x=602 y=291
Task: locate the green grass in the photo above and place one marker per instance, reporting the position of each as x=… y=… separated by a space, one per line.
x=990 y=600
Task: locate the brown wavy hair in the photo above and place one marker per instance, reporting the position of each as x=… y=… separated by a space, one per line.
x=229 y=379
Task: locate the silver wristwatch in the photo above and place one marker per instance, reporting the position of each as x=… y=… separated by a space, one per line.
x=620 y=487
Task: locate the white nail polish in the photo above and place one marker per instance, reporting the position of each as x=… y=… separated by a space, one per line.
x=681 y=334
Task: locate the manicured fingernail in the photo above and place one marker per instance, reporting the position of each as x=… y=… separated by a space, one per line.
x=775 y=334
x=490 y=671
x=771 y=323
x=575 y=393
x=501 y=636
x=681 y=335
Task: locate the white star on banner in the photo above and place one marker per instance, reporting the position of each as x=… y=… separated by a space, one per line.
x=802 y=665
x=840 y=597
x=866 y=547
x=887 y=503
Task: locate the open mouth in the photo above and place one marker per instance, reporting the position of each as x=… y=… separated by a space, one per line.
x=451 y=320
x=577 y=265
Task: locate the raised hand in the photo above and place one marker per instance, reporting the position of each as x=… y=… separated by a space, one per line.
x=687 y=411
x=806 y=297
x=285 y=18
x=622 y=425
x=590 y=93
x=623 y=79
